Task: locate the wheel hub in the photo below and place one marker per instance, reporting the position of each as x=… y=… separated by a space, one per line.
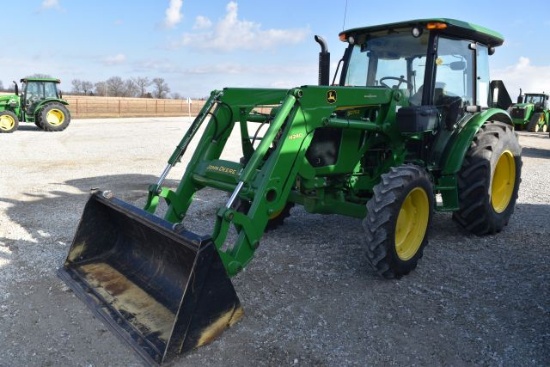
x=412 y=223
x=502 y=187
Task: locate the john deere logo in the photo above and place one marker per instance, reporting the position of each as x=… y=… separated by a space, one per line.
x=331 y=96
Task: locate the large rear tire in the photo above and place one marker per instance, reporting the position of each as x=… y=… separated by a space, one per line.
x=398 y=217
x=8 y=122
x=54 y=117
x=489 y=179
x=535 y=123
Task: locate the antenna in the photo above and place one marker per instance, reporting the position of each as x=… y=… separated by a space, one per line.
x=345 y=15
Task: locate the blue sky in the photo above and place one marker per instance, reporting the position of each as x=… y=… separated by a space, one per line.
x=197 y=46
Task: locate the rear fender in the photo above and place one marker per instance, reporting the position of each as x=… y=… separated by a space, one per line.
x=460 y=141
x=35 y=109
x=455 y=151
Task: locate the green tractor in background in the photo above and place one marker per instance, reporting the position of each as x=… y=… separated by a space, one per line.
x=40 y=102
x=531 y=112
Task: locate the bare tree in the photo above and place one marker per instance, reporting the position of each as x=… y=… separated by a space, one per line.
x=142 y=83
x=115 y=86
x=160 y=88
x=77 y=86
x=176 y=95
x=130 y=88
x=87 y=86
x=101 y=88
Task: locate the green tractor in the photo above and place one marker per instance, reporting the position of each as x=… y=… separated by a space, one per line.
x=411 y=124
x=40 y=102
x=531 y=112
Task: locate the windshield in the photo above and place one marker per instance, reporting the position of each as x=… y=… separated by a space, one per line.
x=534 y=98
x=398 y=60
x=395 y=60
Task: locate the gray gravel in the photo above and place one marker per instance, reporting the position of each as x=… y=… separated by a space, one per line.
x=309 y=297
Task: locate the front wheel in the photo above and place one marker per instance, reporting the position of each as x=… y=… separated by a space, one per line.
x=398 y=217
x=54 y=117
x=8 y=122
x=489 y=179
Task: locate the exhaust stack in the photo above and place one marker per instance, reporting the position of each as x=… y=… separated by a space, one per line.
x=324 y=61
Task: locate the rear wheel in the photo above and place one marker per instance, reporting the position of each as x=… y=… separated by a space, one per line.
x=535 y=123
x=397 y=221
x=54 y=117
x=488 y=181
x=8 y=122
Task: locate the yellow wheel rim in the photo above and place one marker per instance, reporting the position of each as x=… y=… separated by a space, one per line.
x=412 y=223
x=539 y=125
x=504 y=179
x=55 y=117
x=6 y=122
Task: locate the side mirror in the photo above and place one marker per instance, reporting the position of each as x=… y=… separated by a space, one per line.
x=457 y=65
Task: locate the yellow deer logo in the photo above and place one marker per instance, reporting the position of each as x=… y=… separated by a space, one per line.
x=331 y=96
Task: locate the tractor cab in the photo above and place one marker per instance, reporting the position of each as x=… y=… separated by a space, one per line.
x=539 y=100
x=35 y=91
x=433 y=62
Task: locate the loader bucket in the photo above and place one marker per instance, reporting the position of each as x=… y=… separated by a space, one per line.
x=161 y=290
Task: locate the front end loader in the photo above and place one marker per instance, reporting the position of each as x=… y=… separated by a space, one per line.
x=411 y=124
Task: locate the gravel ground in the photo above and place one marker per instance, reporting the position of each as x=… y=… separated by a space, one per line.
x=309 y=297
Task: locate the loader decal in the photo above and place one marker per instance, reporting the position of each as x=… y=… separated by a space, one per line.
x=222 y=169
x=295 y=136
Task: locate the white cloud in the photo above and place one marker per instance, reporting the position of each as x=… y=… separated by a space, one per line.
x=115 y=60
x=202 y=23
x=50 y=4
x=231 y=33
x=524 y=75
x=173 y=14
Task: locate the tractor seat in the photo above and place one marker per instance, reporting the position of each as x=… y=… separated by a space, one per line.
x=416 y=98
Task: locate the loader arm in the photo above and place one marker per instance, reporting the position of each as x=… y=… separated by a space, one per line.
x=265 y=180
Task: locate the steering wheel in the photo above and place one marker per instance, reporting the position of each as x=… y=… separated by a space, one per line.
x=401 y=80
x=31 y=98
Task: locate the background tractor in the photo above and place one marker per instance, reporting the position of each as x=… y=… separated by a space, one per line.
x=40 y=102
x=411 y=126
x=531 y=112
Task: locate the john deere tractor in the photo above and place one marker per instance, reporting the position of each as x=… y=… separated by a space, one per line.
x=531 y=112
x=411 y=124
x=40 y=102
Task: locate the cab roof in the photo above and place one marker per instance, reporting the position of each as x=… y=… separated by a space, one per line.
x=29 y=79
x=447 y=26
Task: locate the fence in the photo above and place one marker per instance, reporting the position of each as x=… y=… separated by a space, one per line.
x=93 y=107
